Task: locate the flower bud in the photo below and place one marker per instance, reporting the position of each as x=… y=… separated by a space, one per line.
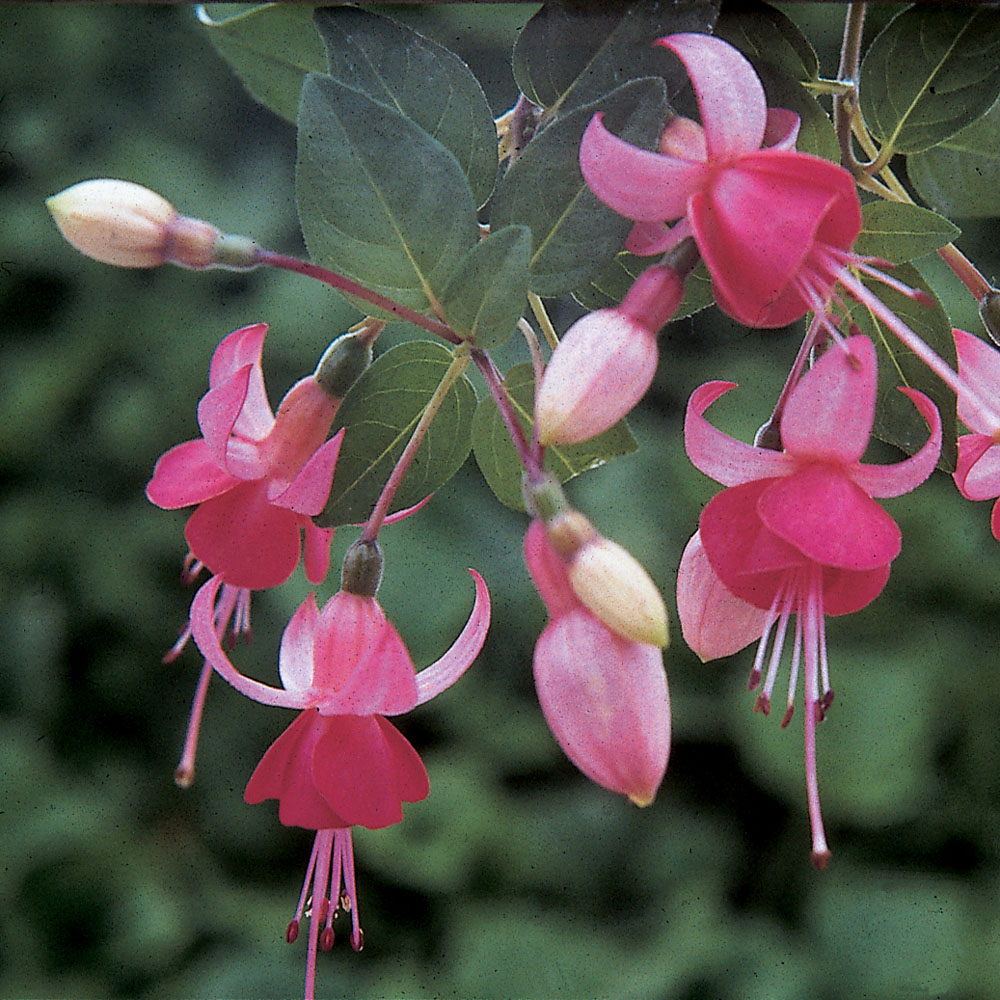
x=613 y=585
x=361 y=572
x=606 y=361
x=347 y=358
x=125 y=224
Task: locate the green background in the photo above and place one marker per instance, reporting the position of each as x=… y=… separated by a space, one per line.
x=516 y=877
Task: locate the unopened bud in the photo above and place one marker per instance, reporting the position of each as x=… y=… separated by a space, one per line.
x=684 y=138
x=989 y=312
x=606 y=362
x=346 y=359
x=612 y=583
x=361 y=573
x=125 y=224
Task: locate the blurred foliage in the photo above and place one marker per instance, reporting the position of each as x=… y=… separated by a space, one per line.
x=516 y=877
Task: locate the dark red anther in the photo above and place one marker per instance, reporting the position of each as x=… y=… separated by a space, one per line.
x=827 y=700
x=762 y=704
x=358 y=939
x=326 y=939
x=787 y=717
x=819 y=712
x=292 y=931
x=821 y=859
x=754 y=681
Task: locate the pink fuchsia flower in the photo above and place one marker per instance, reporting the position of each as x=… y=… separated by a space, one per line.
x=340 y=763
x=257 y=479
x=977 y=474
x=797 y=531
x=606 y=361
x=603 y=696
x=774 y=226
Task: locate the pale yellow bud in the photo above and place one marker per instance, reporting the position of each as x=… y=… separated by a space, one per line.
x=612 y=584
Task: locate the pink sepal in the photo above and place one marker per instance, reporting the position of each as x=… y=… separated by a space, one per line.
x=729 y=93
x=721 y=457
x=238 y=349
x=782 y=129
x=310 y=489
x=714 y=621
x=295 y=656
x=317 y=551
x=648 y=238
x=977 y=472
x=979 y=365
x=217 y=413
x=637 y=183
x=548 y=571
x=605 y=700
x=443 y=672
x=187 y=474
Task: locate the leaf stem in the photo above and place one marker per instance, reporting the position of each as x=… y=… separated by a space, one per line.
x=459 y=363
x=271 y=259
x=548 y=330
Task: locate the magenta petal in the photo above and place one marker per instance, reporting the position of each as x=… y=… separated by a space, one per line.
x=895 y=480
x=241 y=348
x=605 y=700
x=357 y=771
x=721 y=457
x=241 y=537
x=636 y=183
x=977 y=473
x=714 y=621
x=295 y=657
x=979 y=365
x=316 y=558
x=830 y=411
x=443 y=672
x=412 y=784
x=730 y=96
x=829 y=519
x=310 y=489
x=846 y=591
x=218 y=410
x=995 y=521
x=187 y=474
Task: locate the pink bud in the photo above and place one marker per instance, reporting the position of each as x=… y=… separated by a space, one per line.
x=606 y=701
x=606 y=361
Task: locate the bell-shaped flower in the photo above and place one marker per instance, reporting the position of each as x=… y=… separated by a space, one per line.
x=257 y=479
x=606 y=361
x=774 y=226
x=340 y=763
x=977 y=472
x=797 y=532
x=603 y=696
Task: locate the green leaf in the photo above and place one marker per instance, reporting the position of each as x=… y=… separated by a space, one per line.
x=961 y=176
x=271 y=48
x=498 y=459
x=569 y=54
x=574 y=234
x=610 y=285
x=487 y=295
x=768 y=38
x=380 y=412
x=931 y=71
x=898 y=232
x=422 y=80
x=379 y=199
x=896 y=418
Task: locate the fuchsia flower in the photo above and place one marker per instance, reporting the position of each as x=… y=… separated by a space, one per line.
x=604 y=696
x=774 y=226
x=797 y=531
x=257 y=479
x=977 y=474
x=340 y=763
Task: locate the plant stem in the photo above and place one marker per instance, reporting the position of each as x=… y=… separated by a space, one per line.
x=458 y=365
x=845 y=106
x=548 y=330
x=342 y=284
x=530 y=458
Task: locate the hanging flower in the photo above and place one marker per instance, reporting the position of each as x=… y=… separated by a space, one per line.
x=797 y=531
x=340 y=763
x=603 y=696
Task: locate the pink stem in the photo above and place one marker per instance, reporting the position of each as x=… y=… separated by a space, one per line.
x=184 y=774
x=530 y=459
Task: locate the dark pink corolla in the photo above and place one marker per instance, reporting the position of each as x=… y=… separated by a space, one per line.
x=796 y=532
x=341 y=763
x=774 y=226
x=604 y=696
x=257 y=479
x=977 y=473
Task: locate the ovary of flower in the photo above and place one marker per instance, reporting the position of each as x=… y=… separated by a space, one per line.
x=257 y=479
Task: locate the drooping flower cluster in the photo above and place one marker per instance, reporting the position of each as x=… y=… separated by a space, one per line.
x=796 y=532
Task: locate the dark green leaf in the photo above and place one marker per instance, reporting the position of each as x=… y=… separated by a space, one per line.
x=271 y=48
x=379 y=199
x=573 y=233
x=961 y=176
x=380 y=412
x=488 y=293
x=609 y=286
x=768 y=38
x=569 y=54
x=896 y=419
x=933 y=70
x=898 y=232
x=498 y=459
x=422 y=80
